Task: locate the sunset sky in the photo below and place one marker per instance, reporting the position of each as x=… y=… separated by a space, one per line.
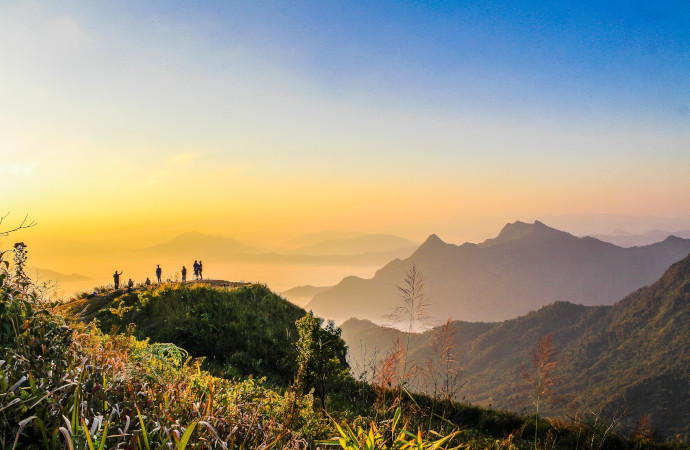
x=263 y=120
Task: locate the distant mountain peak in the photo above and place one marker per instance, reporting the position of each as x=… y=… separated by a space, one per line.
x=520 y=230
x=672 y=238
x=434 y=239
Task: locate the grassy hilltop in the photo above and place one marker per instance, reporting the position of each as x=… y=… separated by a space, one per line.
x=241 y=330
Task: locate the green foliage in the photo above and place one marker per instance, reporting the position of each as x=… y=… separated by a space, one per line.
x=75 y=386
x=78 y=387
x=321 y=355
x=240 y=332
x=388 y=436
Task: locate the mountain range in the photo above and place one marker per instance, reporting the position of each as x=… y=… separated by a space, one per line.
x=632 y=357
x=624 y=239
x=525 y=267
x=195 y=244
x=364 y=249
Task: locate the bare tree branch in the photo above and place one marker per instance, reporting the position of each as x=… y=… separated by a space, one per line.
x=21 y=226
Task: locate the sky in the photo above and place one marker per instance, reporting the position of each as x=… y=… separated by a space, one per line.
x=131 y=122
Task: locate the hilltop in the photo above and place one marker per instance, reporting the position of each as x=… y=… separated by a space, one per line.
x=241 y=329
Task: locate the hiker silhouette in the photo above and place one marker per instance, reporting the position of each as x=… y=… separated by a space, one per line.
x=130 y=285
x=196 y=270
x=184 y=274
x=116 y=279
x=158 y=273
x=201 y=275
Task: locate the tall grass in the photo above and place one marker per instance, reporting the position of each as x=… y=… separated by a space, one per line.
x=75 y=386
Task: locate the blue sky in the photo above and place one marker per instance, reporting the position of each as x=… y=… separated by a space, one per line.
x=338 y=115
x=571 y=58
x=581 y=62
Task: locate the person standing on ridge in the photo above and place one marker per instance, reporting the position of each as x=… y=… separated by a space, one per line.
x=184 y=274
x=201 y=276
x=148 y=282
x=196 y=270
x=116 y=279
x=130 y=285
x=158 y=273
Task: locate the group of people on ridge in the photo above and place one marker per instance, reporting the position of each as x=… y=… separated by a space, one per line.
x=198 y=267
x=116 y=282
x=198 y=275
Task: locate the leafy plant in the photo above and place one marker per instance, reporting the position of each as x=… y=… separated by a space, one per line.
x=321 y=355
x=388 y=436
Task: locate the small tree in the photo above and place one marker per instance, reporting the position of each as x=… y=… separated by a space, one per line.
x=539 y=376
x=321 y=355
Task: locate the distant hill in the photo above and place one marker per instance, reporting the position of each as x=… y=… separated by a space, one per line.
x=634 y=355
x=368 y=243
x=39 y=274
x=363 y=250
x=360 y=259
x=321 y=236
x=301 y=295
x=525 y=267
x=589 y=224
x=624 y=239
x=194 y=244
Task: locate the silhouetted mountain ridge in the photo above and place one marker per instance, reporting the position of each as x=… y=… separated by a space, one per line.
x=525 y=267
x=623 y=238
x=520 y=230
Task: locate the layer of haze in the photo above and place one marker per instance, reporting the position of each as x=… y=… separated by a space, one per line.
x=124 y=124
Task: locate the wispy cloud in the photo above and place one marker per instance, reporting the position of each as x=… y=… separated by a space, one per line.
x=183 y=158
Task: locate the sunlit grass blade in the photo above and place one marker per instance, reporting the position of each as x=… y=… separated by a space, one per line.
x=143 y=430
x=186 y=436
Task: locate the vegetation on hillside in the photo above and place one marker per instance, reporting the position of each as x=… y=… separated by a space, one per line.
x=628 y=363
x=72 y=385
x=241 y=332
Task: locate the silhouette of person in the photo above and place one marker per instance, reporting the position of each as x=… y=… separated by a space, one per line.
x=196 y=270
x=130 y=285
x=201 y=275
x=184 y=274
x=116 y=279
x=158 y=273
x=148 y=282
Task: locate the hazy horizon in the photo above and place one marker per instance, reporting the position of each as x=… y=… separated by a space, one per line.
x=124 y=125
x=279 y=265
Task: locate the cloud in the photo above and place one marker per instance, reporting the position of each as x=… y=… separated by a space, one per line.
x=183 y=158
